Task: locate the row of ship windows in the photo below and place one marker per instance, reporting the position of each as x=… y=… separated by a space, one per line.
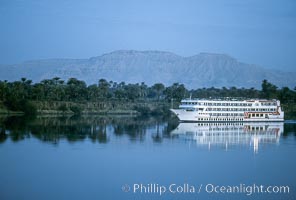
x=235 y=114
x=222 y=119
x=225 y=129
x=217 y=104
x=229 y=104
x=241 y=109
x=220 y=124
x=224 y=114
x=256 y=115
x=230 y=128
x=261 y=128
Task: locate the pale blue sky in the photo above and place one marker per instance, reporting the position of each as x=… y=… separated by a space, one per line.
x=253 y=31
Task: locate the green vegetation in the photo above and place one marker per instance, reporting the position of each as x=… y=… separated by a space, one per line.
x=76 y=97
x=76 y=110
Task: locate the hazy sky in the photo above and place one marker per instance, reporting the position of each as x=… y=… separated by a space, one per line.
x=253 y=31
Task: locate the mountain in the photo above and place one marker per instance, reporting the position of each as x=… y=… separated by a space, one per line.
x=202 y=70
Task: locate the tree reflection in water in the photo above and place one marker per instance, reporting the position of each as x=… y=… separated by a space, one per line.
x=72 y=129
x=102 y=129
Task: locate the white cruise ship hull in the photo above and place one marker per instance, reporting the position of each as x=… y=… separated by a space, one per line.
x=194 y=116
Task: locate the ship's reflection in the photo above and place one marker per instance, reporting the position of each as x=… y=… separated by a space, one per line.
x=226 y=134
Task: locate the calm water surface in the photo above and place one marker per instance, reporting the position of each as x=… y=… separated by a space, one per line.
x=135 y=158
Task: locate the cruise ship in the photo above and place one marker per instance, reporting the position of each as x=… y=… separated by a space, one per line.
x=224 y=110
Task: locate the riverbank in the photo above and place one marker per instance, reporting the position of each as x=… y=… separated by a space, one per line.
x=111 y=107
x=94 y=108
x=290 y=110
x=4 y=111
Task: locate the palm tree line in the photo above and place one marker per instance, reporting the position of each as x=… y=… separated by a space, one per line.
x=16 y=94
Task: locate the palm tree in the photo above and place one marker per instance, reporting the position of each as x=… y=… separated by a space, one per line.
x=158 y=88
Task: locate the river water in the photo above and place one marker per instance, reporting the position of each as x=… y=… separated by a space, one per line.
x=95 y=158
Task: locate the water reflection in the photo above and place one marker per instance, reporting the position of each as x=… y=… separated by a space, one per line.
x=106 y=129
x=97 y=129
x=226 y=134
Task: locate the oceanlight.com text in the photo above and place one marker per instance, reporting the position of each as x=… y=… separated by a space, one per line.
x=209 y=188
